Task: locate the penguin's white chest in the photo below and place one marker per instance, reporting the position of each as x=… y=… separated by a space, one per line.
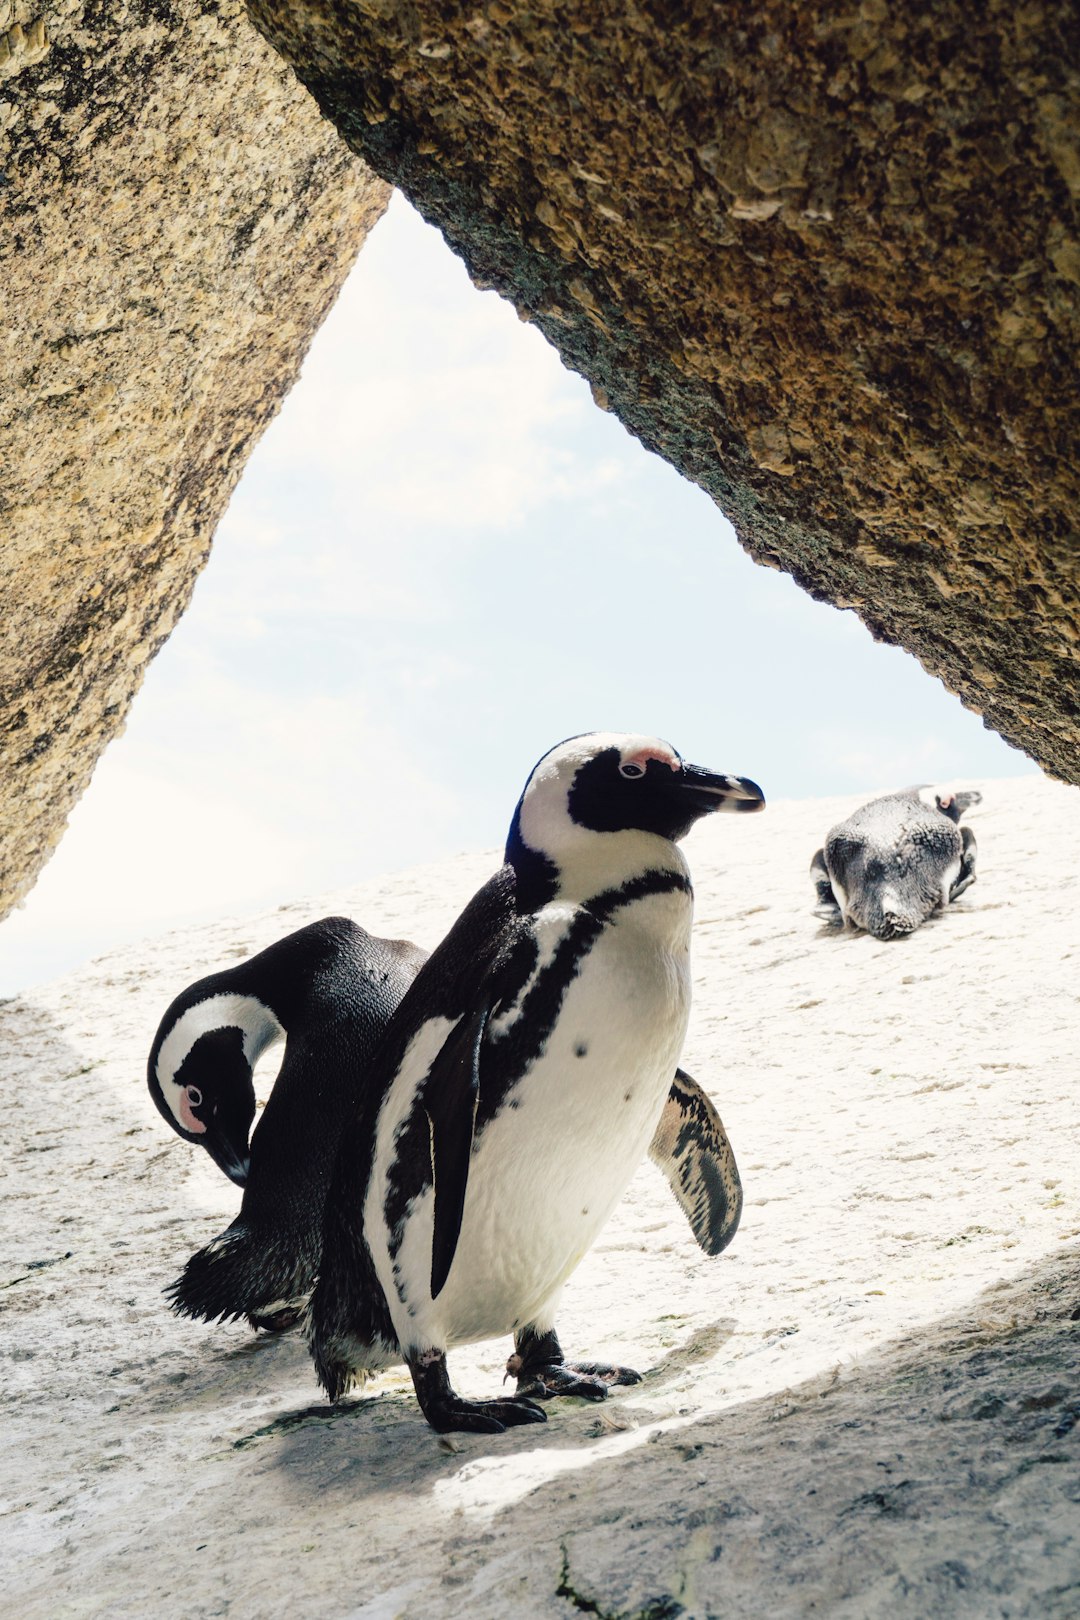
x=548 y=1170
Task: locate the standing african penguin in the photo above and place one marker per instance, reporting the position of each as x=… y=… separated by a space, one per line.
x=329 y=990
x=520 y=1084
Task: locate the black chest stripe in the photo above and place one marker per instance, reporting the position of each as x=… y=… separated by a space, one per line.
x=511 y=1053
x=506 y=1057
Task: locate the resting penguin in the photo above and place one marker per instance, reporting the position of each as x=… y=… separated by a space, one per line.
x=520 y=1084
x=329 y=990
x=896 y=861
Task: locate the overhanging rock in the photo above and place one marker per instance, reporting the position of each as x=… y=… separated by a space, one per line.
x=824 y=259
x=175 y=221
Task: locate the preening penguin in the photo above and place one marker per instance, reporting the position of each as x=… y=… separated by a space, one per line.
x=520 y=1084
x=329 y=991
x=895 y=861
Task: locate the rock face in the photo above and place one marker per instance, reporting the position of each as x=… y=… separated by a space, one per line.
x=176 y=221
x=825 y=260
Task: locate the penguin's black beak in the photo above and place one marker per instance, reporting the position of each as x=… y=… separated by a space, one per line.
x=235 y=1163
x=708 y=791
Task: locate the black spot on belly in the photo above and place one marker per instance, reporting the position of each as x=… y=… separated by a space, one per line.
x=581 y=1049
x=628 y=1096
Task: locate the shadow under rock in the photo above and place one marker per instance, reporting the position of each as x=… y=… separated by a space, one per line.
x=938 y=1475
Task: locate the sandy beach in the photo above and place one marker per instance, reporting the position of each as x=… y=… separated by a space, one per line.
x=868 y=1406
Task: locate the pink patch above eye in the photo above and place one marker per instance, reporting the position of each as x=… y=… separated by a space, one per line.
x=662 y=756
x=187 y=1118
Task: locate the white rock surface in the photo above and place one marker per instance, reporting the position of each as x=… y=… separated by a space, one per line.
x=867 y=1407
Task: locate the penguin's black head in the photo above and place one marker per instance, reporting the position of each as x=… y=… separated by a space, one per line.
x=210 y=1099
x=650 y=789
x=200 y=1073
x=613 y=782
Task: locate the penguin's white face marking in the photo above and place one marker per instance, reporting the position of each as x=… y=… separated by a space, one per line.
x=201 y=1075
x=258 y=1027
x=546 y=821
x=597 y=806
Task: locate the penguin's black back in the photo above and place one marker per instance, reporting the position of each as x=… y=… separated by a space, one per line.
x=353 y=985
x=489 y=939
x=335 y=988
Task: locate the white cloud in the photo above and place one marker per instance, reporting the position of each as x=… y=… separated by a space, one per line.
x=433 y=405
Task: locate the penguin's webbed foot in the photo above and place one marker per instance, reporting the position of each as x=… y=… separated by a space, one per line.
x=543 y=1371
x=448 y=1413
x=589 y=1379
x=482 y=1417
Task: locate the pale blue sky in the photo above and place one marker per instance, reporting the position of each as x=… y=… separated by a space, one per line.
x=441 y=559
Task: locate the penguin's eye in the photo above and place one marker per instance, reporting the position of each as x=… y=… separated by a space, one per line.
x=631 y=770
x=194 y=1096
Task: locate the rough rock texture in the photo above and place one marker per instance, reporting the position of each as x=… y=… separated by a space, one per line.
x=175 y=221
x=823 y=258
x=866 y=1408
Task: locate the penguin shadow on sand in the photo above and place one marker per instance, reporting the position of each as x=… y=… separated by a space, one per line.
x=374 y=1444
x=222 y=1367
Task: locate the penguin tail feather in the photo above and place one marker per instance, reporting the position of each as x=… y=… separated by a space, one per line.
x=349 y=1330
x=334 y=1372
x=346 y=1362
x=244 y=1272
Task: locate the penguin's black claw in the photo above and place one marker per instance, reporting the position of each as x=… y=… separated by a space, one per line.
x=589 y=1379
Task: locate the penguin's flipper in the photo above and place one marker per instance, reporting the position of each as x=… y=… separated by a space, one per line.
x=826 y=906
x=451 y=1095
x=691 y=1147
x=966 y=875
